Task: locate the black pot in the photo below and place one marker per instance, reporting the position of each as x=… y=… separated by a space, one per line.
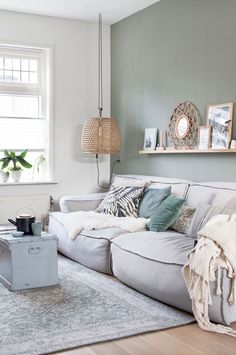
x=23 y=223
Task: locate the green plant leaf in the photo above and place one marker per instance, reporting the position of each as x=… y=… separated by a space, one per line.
x=5 y=163
x=24 y=163
x=13 y=155
x=6 y=158
x=23 y=154
x=6 y=153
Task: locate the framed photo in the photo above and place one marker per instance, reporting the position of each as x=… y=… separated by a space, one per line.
x=219 y=117
x=150 y=139
x=204 y=138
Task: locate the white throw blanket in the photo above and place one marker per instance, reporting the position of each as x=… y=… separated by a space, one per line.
x=216 y=249
x=75 y=222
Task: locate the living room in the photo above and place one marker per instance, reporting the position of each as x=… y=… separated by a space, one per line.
x=130 y=206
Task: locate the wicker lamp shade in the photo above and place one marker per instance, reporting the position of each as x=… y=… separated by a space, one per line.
x=100 y=136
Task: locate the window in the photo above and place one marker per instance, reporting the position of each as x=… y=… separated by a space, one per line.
x=25 y=107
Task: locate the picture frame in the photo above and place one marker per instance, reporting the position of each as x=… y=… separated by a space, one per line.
x=204 y=137
x=150 y=139
x=220 y=117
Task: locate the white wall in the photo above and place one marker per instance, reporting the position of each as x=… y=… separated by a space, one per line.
x=75 y=94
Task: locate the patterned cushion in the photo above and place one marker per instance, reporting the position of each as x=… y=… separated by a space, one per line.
x=183 y=220
x=121 y=201
x=122 y=180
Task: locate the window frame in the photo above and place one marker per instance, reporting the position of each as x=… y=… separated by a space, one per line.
x=44 y=89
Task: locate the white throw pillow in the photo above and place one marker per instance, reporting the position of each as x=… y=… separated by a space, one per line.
x=226 y=199
x=203 y=214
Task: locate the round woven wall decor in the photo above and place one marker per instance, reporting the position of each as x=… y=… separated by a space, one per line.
x=184 y=111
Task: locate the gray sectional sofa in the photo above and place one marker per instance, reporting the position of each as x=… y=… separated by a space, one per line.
x=149 y=262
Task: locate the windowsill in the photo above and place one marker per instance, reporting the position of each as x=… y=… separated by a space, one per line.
x=28 y=183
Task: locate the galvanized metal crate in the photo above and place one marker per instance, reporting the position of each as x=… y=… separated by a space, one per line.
x=28 y=262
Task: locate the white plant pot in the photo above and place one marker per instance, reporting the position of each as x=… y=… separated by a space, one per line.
x=16 y=175
x=4 y=176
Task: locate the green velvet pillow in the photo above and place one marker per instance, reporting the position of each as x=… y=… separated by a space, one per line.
x=166 y=214
x=151 y=200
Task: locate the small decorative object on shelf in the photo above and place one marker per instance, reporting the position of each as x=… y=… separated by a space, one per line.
x=233 y=144
x=4 y=176
x=160 y=145
x=204 y=137
x=219 y=117
x=150 y=139
x=37 y=167
x=183 y=126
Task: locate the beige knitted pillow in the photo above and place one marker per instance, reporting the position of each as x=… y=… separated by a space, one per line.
x=183 y=220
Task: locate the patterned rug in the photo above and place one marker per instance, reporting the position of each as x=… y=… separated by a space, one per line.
x=86 y=307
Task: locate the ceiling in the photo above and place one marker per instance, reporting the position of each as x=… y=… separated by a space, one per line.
x=87 y=10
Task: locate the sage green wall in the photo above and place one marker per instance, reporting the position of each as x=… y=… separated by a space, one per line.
x=174 y=50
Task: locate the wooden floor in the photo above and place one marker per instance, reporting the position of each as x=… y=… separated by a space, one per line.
x=186 y=340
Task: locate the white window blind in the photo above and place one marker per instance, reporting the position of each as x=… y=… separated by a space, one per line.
x=24 y=104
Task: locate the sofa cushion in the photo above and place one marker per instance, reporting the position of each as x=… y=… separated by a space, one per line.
x=166 y=214
x=197 y=220
x=179 y=187
x=203 y=215
x=153 y=266
x=166 y=247
x=151 y=200
x=151 y=262
x=206 y=192
x=90 y=248
x=86 y=202
x=104 y=233
x=226 y=199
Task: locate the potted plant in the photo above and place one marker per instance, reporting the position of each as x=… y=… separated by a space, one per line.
x=4 y=175
x=18 y=161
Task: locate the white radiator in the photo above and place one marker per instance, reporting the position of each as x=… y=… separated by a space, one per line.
x=38 y=205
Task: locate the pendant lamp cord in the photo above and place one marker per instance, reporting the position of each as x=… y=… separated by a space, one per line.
x=98 y=175
x=100 y=87
x=111 y=174
x=100 y=98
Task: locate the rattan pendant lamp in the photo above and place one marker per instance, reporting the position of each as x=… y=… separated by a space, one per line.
x=100 y=135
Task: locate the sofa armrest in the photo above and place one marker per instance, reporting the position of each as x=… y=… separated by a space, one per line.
x=87 y=202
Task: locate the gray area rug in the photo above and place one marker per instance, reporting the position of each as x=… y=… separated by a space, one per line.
x=86 y=307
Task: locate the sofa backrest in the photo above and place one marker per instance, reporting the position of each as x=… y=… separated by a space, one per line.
x=194 y=193
x=206 y=192
x=179 y=187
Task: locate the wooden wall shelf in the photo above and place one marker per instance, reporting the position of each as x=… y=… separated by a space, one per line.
x=189 y=151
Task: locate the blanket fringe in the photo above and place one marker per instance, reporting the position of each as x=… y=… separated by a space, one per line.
x=206 y=325
x=204 y=265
